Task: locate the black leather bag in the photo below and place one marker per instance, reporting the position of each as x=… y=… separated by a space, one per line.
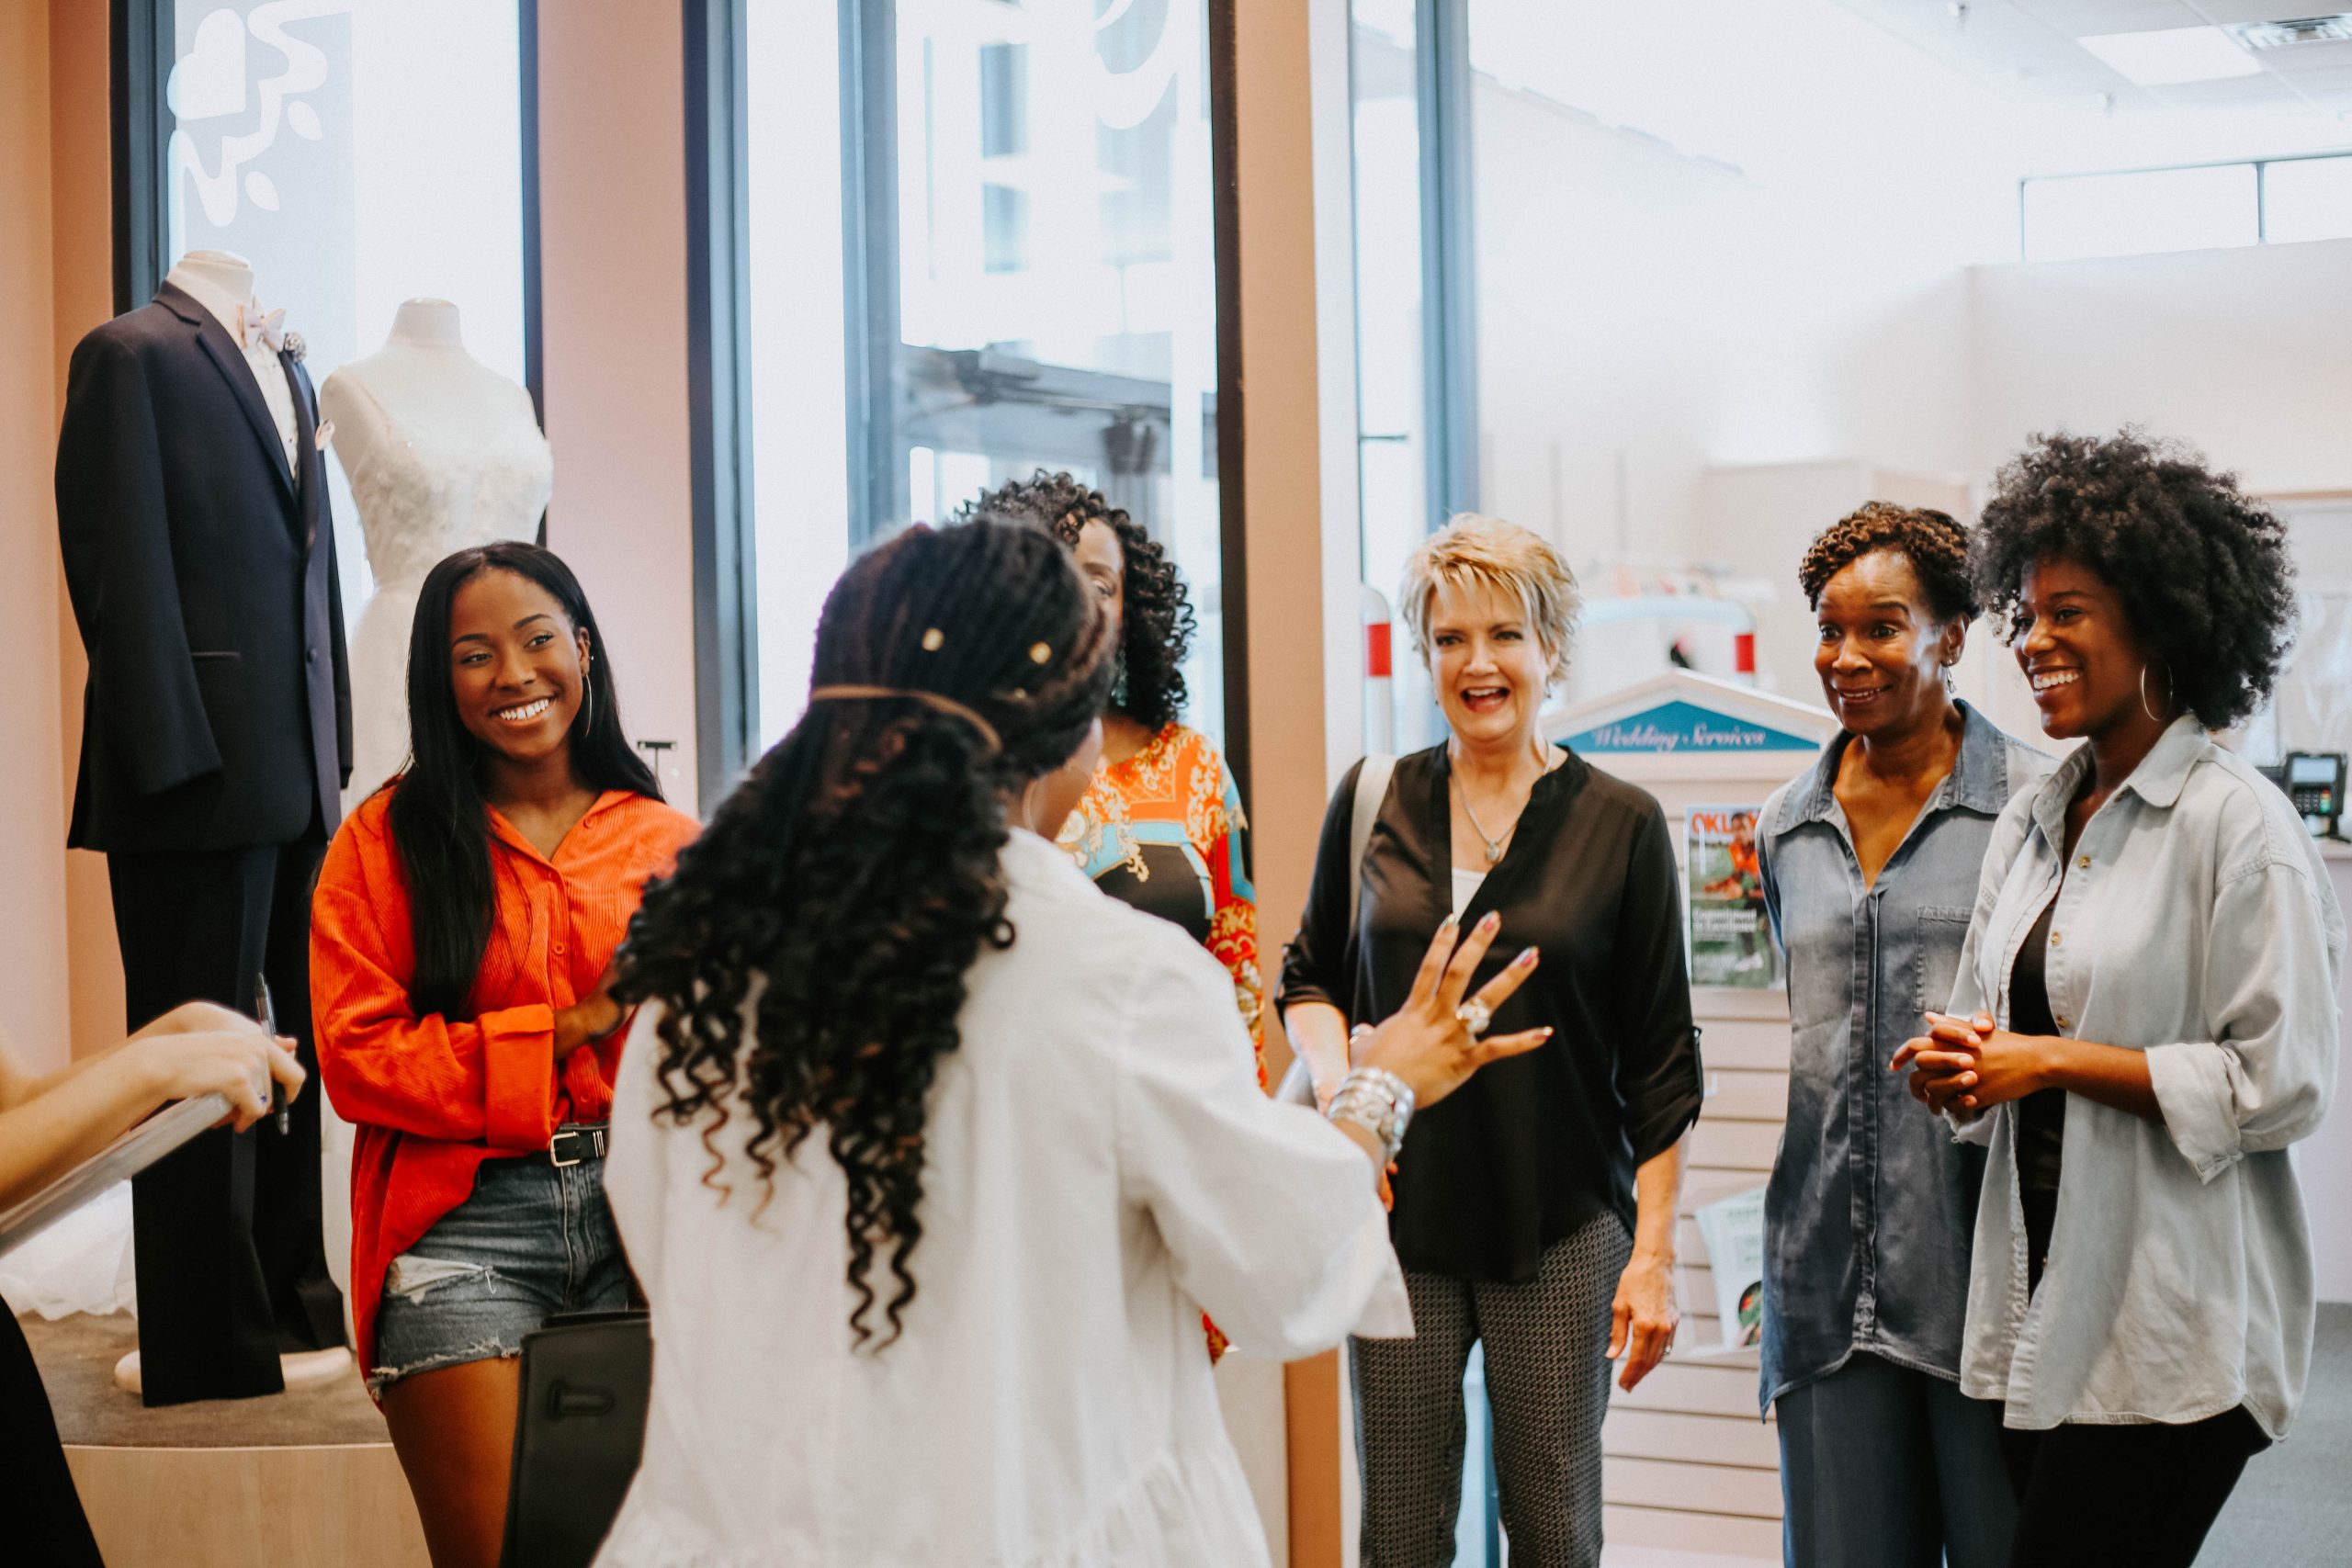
x=579 y=1433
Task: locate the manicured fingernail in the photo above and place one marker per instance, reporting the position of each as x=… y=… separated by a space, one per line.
x=1493 y=919
x=1547 y=1032
x=1526 y=956
x=1453 y=918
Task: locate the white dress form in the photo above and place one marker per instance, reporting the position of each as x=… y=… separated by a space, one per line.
x=442 y=453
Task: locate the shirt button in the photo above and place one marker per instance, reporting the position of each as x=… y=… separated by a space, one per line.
x=559 y=948
x=2057 y=939
x=310 y=656
x=2083 y=863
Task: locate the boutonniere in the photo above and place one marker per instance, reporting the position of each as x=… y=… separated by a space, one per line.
x=296 y=347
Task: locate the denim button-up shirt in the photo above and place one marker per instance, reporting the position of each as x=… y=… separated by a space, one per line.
x=2195 y=922
x=1868 y=1215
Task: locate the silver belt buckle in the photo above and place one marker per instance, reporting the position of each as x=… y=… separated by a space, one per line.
x=573 y=1138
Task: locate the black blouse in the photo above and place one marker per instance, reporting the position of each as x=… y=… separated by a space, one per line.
x=1532 y=1147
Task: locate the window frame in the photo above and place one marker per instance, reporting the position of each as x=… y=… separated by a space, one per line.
x=2261 y=167
x=879 y=366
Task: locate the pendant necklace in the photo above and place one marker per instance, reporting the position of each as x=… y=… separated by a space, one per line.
x=1494 y=845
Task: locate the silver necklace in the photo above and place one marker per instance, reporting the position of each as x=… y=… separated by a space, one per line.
x=1494 y=844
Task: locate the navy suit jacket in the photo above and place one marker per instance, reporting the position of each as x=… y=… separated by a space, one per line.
x=202 y=573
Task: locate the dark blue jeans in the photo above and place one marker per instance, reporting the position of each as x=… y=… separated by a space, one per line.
x=1883 y=1467
x=534 y=1239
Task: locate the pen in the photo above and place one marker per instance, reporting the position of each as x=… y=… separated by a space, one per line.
x=268 y=1012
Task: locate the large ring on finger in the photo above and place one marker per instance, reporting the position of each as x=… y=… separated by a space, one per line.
x=1474 y=1016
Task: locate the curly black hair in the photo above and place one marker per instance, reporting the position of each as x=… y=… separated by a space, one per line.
x=2201 y=568
x=1935 y=545
x=1158 y=628
x=841 y=892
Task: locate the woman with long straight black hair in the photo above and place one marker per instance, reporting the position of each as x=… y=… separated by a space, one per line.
x=460 y=935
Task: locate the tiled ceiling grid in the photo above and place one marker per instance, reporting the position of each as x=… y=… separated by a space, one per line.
x=2027 y=49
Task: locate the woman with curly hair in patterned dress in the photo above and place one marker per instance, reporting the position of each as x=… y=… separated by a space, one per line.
x=1160 y=825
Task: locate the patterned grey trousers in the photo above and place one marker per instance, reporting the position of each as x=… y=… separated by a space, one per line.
x=1547 y=1384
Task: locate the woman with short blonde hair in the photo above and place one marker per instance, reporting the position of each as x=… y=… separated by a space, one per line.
x=1475 y=551
x=1534 y=1213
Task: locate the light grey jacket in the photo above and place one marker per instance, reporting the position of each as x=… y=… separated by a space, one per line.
x=2197 y=922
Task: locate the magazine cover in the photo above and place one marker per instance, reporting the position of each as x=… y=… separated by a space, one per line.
x=1733 y=1233
x=1731 y=938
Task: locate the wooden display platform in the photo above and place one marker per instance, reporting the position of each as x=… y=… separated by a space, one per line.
x=303 y=1480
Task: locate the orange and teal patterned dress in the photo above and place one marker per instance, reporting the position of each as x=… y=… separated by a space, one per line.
x=1163 y=831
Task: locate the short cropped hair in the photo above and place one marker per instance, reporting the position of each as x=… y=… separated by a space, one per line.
x=2202 y=567
x=1935 y=545
x=1472 y=551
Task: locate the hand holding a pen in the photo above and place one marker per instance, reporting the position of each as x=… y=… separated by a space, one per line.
x=199 y=1049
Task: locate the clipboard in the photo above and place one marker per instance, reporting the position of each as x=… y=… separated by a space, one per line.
x=162 y=1134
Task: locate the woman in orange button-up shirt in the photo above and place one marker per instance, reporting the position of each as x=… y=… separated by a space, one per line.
x=460 y=934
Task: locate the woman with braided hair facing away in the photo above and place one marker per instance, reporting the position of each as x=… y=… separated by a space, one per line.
x=1159 y=825
x=929 y=1156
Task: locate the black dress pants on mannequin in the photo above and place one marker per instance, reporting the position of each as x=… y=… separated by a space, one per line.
x=226 y=1233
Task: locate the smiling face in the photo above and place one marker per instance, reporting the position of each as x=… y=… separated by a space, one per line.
x=2078 y=650
x=1488 y=664
x=517 y=666
x=1881 y=651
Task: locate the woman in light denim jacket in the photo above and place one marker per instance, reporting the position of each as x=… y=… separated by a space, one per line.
x=2147 y=1014
x=1871 y=861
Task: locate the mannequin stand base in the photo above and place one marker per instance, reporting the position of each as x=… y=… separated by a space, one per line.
x=301 y=1369
x=305 y=1480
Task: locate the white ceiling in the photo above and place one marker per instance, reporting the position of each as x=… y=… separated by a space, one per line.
x=2026 y=49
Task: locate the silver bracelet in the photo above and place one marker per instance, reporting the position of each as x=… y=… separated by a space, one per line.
x=1377 y=1100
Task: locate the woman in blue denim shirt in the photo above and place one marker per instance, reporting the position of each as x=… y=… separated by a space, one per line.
x=1870 y=863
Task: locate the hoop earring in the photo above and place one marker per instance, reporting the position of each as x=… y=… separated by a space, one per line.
x=2154 y=717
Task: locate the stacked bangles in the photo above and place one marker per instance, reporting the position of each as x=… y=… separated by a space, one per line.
x=1377 y=1100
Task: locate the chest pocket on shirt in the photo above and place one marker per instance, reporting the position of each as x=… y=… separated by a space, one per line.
x=1935 y=956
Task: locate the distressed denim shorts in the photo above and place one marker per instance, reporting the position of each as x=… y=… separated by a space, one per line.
x=534 y=1240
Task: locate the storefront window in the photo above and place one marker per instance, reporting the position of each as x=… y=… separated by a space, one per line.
x=1020 y=240
x=357 y=152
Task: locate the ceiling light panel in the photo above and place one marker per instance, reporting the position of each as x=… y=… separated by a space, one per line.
x=2227 y=11
x=2173 y=54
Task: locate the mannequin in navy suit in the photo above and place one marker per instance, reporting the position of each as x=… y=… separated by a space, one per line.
x=192 y=511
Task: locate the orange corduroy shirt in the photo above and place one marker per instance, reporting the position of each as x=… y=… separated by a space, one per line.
x=431 y=1097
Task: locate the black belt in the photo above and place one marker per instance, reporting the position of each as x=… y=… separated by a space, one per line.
x=577 y=1141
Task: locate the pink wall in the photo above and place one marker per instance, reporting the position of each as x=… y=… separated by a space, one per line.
x=82 y=278
x=613 y=291
x=33 y=974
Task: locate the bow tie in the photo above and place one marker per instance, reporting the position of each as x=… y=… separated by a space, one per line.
x=257 y=325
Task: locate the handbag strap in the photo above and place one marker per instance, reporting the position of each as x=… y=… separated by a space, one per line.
x=1372 y=788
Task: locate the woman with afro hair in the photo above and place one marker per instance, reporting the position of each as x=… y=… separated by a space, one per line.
x=2146 y=1016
